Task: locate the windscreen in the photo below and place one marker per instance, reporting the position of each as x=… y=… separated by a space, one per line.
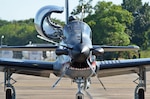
x=77 y=27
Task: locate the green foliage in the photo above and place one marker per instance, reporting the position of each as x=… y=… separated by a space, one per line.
x=109 y=24
x=88 y=9
x=20 y=32
x=3 y=22
x=145 y=53
x=141 y=25
x=132 y=5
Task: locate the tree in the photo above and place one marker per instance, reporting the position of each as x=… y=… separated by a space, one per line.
x=141 y=24
x=88 y=9
x=20 y=32
x=109 y=24
x=132 y=5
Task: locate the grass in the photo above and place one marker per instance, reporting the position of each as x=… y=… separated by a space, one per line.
x=145 y=53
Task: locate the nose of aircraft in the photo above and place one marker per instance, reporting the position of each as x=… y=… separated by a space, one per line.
x=80 y=53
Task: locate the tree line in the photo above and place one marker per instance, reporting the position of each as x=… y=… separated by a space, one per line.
x=19 y=32
x=125 y=24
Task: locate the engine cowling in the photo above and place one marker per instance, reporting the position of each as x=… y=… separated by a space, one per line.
x=44 y=25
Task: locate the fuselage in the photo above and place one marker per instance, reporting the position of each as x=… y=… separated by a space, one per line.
x=77 y=38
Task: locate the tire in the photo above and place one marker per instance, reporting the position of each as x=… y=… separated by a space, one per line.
x=8 y=94
x=141 y=94
x=79 y=97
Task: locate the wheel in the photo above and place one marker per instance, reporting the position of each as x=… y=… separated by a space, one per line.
x=8 y=94
x=141 y=94
x=79 y=97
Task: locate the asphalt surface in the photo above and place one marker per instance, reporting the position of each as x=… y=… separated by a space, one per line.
x=31 y=87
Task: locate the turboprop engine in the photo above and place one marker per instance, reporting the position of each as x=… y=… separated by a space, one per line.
x=44 y=25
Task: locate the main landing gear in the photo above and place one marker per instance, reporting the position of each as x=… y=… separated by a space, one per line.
x=8 y=86
x=141 y=85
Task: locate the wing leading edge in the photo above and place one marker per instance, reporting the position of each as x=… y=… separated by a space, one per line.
x=28 y=67
x=120 y=67
x=30 y=48
x=117 y=48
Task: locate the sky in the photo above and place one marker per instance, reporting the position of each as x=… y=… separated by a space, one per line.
x=25 y=9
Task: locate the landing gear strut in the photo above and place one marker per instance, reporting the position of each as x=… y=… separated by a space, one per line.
x=80 y=83
x=83 y=85
x=8 y=86
x=141 y=85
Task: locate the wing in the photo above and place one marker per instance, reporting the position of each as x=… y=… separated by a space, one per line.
x=119 y=67
x=28 y=67
x=117 y=48
x=29 y=48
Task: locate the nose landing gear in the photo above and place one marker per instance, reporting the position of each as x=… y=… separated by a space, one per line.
x=80 y=82
x=83 y=84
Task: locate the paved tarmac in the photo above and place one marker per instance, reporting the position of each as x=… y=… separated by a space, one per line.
x=31 y=87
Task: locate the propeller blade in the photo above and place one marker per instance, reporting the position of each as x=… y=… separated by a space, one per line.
x=88 y=94
x=101 y=83
x=96 y=75
x=60 y=77
x=57 y=81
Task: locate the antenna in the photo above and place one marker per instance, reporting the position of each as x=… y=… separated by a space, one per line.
x=82 y=3
x=82 y=16
x=81 y=38
x=67 y=11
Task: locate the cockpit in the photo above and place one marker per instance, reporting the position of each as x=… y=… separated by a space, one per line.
x=75 y=31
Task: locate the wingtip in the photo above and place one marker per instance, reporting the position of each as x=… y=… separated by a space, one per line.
x=135 y=47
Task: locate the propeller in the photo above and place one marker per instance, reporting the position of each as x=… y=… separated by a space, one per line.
x=63 y=74
x=88 y=94
x=96 y=74
x=58 y=80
